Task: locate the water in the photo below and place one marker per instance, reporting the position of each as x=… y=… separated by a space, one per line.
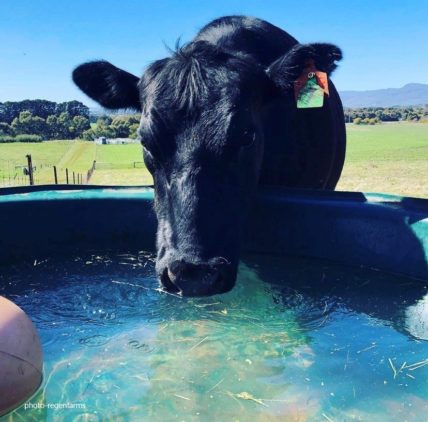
x=295 y=340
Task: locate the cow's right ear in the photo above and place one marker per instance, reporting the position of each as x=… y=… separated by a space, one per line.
x=108 y=85
x=286 y=70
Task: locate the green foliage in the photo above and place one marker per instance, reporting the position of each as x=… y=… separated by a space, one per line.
x=125 y=126
x=7 y=139
x=80 y=124
x=64 y=126
x=133 y=130
x=10 y=110
x=20 y=138
x=46 y=119
x=28 y=138
x=391 y=114
x=27 y=123
x=6 y=129
x=68 y=120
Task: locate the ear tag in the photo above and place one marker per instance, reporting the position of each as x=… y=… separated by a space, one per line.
x=309 y=89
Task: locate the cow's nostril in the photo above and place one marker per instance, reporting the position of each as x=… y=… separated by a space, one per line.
x=193 y=279
x=177 y=267
x=171 y=275
x=168 y=282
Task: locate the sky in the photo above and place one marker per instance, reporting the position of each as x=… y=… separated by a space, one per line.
x=384 y=41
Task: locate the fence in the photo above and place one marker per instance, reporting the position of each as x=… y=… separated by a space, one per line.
x=30 y=174
x=120 y=165
x=90 y=172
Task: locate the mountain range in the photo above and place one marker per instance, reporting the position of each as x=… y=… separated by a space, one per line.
x=410 y=94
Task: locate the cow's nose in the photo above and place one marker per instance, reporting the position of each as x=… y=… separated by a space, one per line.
x=193 y=279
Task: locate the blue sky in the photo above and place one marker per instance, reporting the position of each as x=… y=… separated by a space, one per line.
x=384 y=42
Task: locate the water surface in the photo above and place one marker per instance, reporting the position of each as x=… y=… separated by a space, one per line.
x=296 y=340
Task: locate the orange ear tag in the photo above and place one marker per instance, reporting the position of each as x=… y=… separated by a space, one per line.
x=310 y=87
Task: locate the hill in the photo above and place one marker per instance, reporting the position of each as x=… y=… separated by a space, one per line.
x=410 y=94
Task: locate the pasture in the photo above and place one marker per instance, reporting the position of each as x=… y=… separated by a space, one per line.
x=390 y=158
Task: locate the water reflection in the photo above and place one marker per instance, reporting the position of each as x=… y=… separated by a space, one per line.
x=295 y=340
x=315 y=289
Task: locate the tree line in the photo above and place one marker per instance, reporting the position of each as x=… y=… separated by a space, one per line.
x=37 y=120
x=374 y=115
x=120 y=126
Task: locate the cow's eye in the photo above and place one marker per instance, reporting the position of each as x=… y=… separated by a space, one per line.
x=248 y=137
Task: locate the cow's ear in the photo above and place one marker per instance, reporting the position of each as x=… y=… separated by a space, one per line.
x=108 y=85
x=287 y=69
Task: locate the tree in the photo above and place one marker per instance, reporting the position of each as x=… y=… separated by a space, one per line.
x=106 y=120
x=64 y=126
x=133 y=130
x=26 y=123
x=121 y=128
x=88 y=135
x=10 y=110
x=53 y=127
x=6 y=130
x=80 y=124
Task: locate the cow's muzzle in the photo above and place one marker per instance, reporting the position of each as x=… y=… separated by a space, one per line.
x=198 y=279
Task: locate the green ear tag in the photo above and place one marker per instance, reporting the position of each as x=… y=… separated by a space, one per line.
x=311 y=95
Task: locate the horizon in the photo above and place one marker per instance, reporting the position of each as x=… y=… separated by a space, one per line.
x=47 y=40
x=95 y=105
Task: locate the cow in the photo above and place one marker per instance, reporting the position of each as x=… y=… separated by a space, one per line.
x=218 y=119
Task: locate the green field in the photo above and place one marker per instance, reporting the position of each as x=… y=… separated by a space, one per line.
x=117 y=164
x=391 y=158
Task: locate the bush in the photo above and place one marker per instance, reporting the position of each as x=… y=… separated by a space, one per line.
x=28 y=138
x=6 y=139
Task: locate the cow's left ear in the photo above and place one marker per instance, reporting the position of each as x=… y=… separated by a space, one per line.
x=108 y=85
x=287 y=69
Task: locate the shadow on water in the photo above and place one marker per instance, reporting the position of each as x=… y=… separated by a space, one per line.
x=317 y=288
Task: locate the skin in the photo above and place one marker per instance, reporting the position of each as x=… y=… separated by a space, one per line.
x=217 y=119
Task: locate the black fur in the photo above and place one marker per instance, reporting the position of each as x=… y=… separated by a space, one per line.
x=218 y=118
x=110 y=86
x=289 y=67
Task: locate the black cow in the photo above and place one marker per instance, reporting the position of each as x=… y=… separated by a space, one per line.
x=218 y=117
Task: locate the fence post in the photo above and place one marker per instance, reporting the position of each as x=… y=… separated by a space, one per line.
x=30 y=169
x=66 y=175
x=74 y=178
x=55 y=175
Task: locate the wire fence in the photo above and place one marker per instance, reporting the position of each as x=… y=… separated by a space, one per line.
x=120 y=165
x=40 y=173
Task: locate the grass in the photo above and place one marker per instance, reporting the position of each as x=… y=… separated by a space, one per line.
x=119 y=153
x=122 y=177
x=390 y=158
x=117 y=164
x=12 y=159
x=79 y=157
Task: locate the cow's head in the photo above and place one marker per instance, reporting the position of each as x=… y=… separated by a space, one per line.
x=203 y=143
